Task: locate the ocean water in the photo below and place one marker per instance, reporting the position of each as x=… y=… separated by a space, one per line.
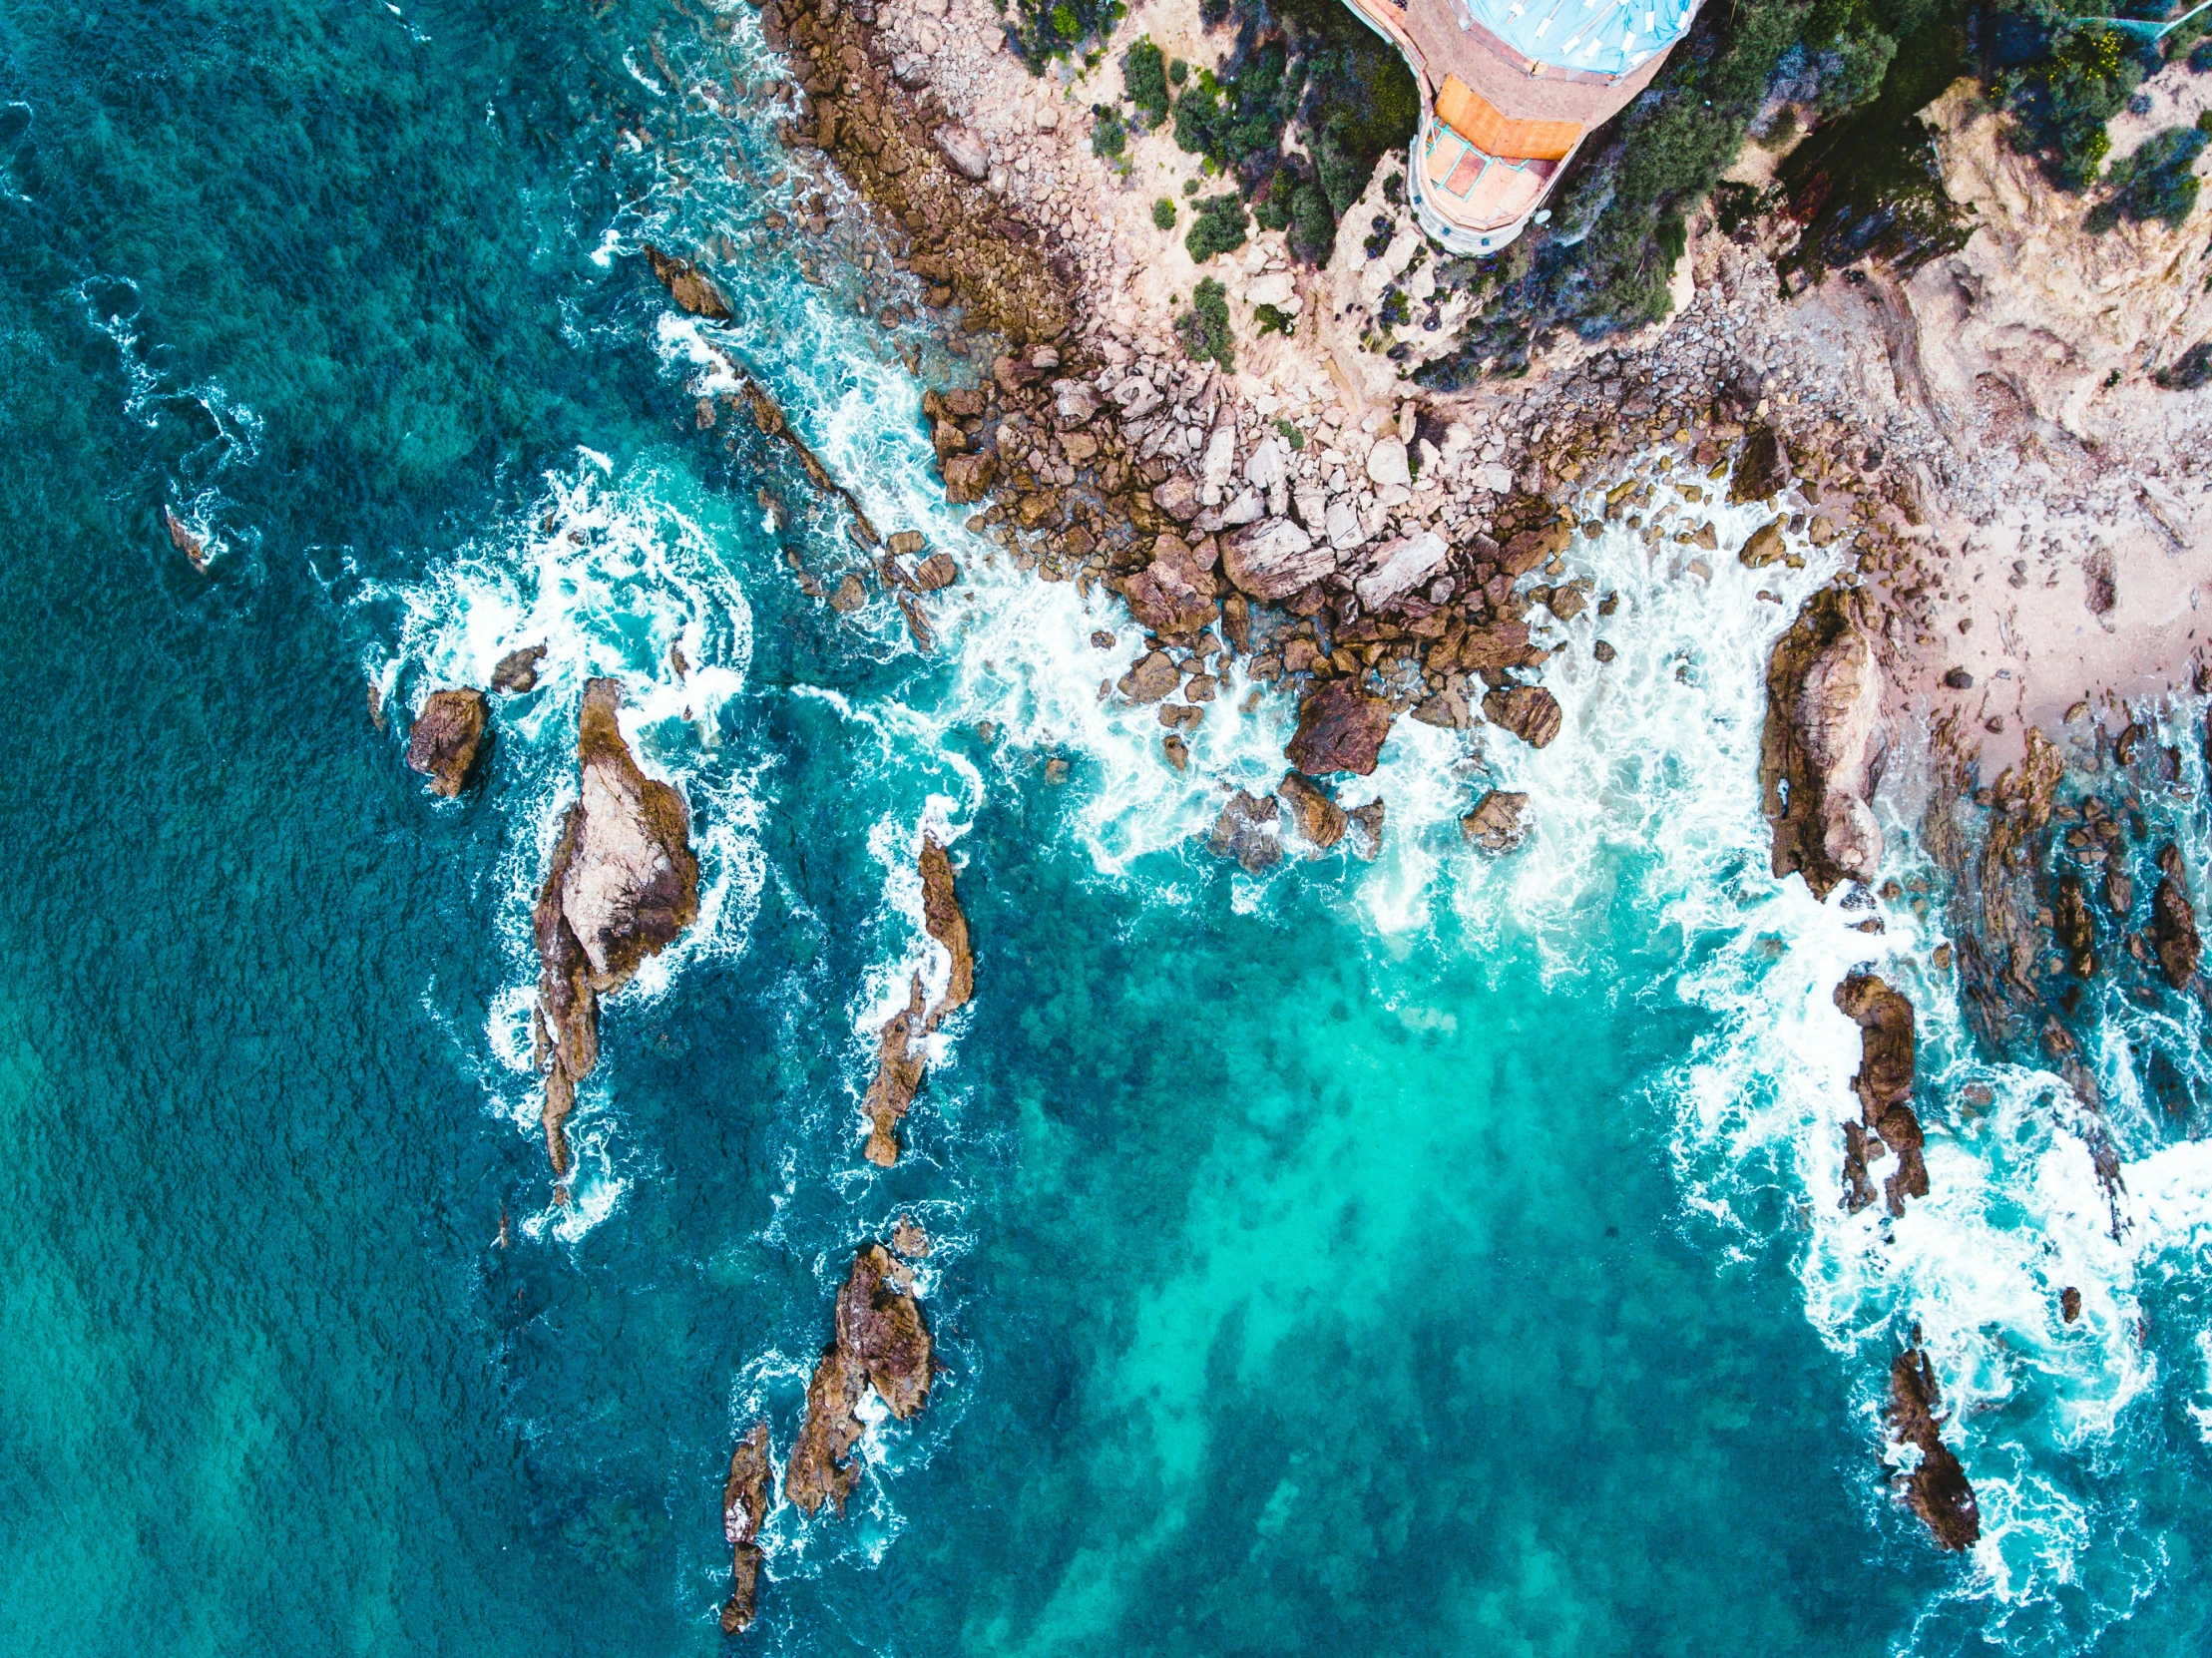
x=1438 y=1253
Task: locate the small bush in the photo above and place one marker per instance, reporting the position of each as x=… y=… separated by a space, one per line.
x=1178 y=72
x=1290 y=434
x=1144 y=80
x=1041 y=31
x=1108 y=137
x=1312 y=225
x=1273 y=320
x=2192 y=370
x=1204 y=328
x=2201 y=56
x=1163 y=214
x=1220 y=227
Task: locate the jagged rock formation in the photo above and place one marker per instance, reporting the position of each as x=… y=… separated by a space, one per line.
x=2070 y=925
x=689 y=285
x=622 y=883
x=745 y=1506
x=901 y=1058
x=1937 y=1486
x=447 y=737
x=517 y=672
x=880 y=1340
x=1884 y=1085
x=1499 y=823
x=2038 y=302
x=1821 y=753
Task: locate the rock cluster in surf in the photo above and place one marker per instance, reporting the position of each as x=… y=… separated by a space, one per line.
x=900 y=1053
x=1884 y=1084
x=880 y=1343
x=1935 y=1486
x=620 y=885
x=744 y=1506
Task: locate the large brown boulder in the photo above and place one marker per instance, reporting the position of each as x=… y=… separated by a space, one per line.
x=1340 y=728
x=689 y=286
x=1936 y=1488
x=1319 y=819
x=881 y=1341
x=1530 y=712
x=1886 y=1123
x=517 y=671
x=1821 y=753
x=1175 y=593
x=1762 y=470
x=621 y=885
x=1500 y=821
x=744 y=1506
x=447 y=737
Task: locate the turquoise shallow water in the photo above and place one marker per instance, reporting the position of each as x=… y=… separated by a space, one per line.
x=1412 y=1256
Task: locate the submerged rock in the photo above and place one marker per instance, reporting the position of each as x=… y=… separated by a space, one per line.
x=1821 y=753
x=1884 y=1084
x=621 y=885
x=1248 y=831
x=447 y=737
x=2072 y=928
x=1340 y=728
x=185 y=538
x=2173 y=923
x=1367 y=831
x=1499 y=822
x=517 y=671
x=1937 y=1486
x=1319 y=819
x=880 y=1340
x=744 y=1506
x=1530 y=712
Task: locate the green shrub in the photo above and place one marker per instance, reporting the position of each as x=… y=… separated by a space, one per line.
x=1204 y=328
x=1042 y=30
x=1144 y=80
x=1220 y=227
x=2062 y=103
x=2157 y=182
x=1163 y=214
x=1290 y=434
x=1273 y=320
x=1312 y=225
x=1108 y=137
x=1178 y=72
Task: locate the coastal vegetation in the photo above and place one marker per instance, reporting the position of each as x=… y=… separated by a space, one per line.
x=1308 y=103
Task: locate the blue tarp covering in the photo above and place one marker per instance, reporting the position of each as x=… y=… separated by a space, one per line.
x=1609 y=37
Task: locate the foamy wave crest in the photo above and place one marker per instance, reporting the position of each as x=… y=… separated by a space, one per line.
x=633 y=577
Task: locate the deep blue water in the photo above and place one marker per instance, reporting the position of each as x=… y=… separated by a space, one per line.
x=1411 y=1256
